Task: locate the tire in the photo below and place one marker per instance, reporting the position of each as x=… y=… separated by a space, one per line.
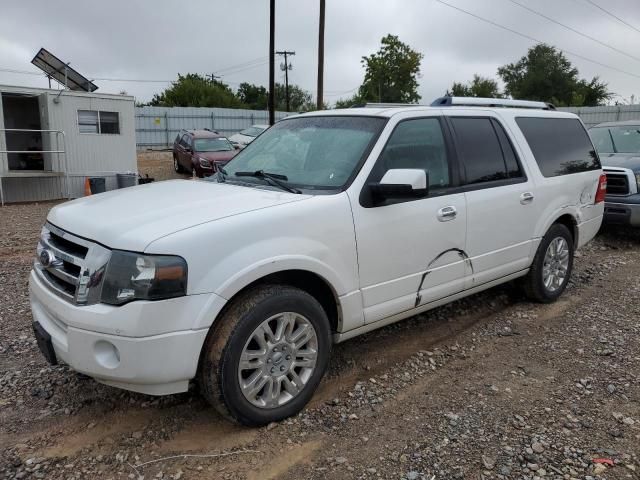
x=176 y=165
x=534 y=283
x=237 y=331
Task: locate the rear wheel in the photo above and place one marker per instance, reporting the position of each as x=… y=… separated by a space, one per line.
x=266 y=355
x=176 y=165
x=552 y=265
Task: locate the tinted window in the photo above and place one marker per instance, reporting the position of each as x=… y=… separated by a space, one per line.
x=560 y=145
x=417 y=144
x=185 y=140
x=510 y=159
x=480 y=150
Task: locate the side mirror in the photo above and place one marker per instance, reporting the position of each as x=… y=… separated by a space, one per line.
x=401 y=183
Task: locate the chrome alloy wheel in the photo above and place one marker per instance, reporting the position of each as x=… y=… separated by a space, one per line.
x=278 y=360
x=556 y=264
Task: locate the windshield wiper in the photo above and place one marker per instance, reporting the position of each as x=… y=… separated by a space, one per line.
x=222 y=173
x=273 y=178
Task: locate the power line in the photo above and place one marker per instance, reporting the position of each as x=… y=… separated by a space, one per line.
x=573 y=30
x=612 y=15
x=528 y=37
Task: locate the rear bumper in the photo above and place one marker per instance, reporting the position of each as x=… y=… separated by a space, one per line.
x=587 y=230
x=623 y=211
x=157 y=364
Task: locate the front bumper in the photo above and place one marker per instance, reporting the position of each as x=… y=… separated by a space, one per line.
x=157 y=364
x=623 y=210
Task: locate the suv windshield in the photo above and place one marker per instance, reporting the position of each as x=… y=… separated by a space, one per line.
x=252 y=131
x=622 y=139
x=212 y=145
x=311 y=152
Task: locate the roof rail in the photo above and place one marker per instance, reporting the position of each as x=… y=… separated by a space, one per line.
x=387 y=105
x=490 y=102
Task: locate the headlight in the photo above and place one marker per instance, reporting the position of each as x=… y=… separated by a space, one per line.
x=204 y=162
x=133 y=276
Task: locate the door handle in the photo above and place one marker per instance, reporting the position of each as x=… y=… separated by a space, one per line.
x=447 y=213
x=526 y=197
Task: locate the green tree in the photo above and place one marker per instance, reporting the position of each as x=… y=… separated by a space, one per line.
x=257 y=97
x=193 y=90
x=254 y=97
x=300 y=100
x=545 y=74
x=350 y=102
x=478 y=87
x=391 y=74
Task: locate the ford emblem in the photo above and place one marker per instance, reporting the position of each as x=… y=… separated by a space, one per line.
x=47 y=258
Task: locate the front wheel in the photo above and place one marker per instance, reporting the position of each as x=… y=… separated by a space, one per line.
x=265 y=356
x=552 y=266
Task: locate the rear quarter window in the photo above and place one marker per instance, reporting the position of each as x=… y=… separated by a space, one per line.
x=560 y=146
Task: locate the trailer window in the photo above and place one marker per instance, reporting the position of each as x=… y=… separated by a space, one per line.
x=93 y=121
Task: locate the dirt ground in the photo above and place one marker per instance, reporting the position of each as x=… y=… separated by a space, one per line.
x=158 y=165
x=490 y=387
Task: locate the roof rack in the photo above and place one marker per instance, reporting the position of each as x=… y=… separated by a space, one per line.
x=490 y=102
x=386 y=105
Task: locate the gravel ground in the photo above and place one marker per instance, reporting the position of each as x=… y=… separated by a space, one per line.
x=490 y=387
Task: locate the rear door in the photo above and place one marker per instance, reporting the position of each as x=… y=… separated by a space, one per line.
x=500 y=197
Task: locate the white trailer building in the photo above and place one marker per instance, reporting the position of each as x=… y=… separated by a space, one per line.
x=52 y=140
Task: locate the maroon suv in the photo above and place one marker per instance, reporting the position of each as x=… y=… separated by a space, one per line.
x=201 y=151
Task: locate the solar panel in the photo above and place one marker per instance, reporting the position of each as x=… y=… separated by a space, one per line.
x=55 y=68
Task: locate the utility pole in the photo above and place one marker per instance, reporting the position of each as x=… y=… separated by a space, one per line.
x=272 y=87
x=212 y=77
x=286 y=67
x=320 y=100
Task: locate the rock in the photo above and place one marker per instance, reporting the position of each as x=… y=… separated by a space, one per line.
x=488 y=462
x=412 y=475
x=340 y=460
x=599 y=469
x=271 y=426
x=537 y=447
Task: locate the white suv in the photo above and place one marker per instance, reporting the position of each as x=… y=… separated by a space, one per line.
x=327 y=226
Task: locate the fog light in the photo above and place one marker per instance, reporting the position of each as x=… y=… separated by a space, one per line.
x=106 y=354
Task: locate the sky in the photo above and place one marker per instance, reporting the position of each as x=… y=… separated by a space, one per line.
x=157 y=39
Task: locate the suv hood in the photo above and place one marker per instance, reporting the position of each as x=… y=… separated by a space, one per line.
x=238 y=138
x=132 y=218
x=222 y=156
x=621 y=160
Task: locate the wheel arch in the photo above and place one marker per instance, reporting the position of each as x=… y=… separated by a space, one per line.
x=311 y=282
x=571 y=223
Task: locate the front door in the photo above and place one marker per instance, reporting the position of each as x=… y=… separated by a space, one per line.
x=411 y=252
x=184 y=154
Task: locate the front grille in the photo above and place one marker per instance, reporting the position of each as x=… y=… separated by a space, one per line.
x=67 y=246
x=617 y=183
x=70 y=266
